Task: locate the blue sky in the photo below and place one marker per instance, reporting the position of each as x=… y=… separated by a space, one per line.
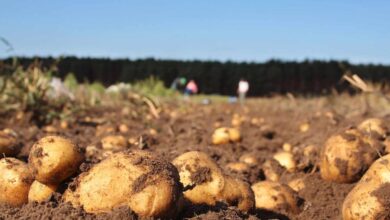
x=358 y=31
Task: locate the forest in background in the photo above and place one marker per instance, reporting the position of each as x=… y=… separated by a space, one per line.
x=214 y=77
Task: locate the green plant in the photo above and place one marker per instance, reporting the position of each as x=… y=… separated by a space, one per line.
x=152 y=86
x=70 y=81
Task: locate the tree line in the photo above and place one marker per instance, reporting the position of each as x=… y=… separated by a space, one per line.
x=214 y=77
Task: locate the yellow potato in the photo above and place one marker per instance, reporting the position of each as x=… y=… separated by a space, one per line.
x=123 y=128
x=304 y=127
x=53 y=159
x=286 y=160
x=238 y=166
x=273 y=196
x=272 y=170
x=239 y=193
x=225 y=135
x=374 y=125
x=8 y=143
x=220 y=136
x=236 y=120
x=207 y=184
x=234 y=135
x=114 y=142
x=15 y=182
x=297 y=184
x=369 y=198
x=146 y=184
x=249 y=159
x=202 y=175
x=287 y=147
x=40 y=192
x=345 y=157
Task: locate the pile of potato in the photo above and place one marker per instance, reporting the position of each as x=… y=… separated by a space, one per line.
x=154 y=187
x=356 y=155
x=51 y=161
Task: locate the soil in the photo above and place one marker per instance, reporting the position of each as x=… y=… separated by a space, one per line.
x=181 y=128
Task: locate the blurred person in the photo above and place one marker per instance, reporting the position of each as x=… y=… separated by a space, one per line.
x=191 y=89
x=178 y=84
x=58 y=89
x=243 y=87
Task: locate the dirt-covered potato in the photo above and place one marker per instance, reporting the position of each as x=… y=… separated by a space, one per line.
x=146 y=184
x=201 y=176
x=225 y=135
x=374 y=125
x=123 y=128
x=346 y=156
x=114 y=143
x=286 y=160
x=238 y=166
x=15 y=182
x=40 y=192
x=249 y=159
x=8 y=144
x=53 y=159
x=220 y=136
x=297 y=184
x=237 y=120
x=304 y=127
x=234 y=134
x=274 y=196
x=239 y=193
x=272 y=170
x=287 y=147
x=369 y=199
x=206 y=184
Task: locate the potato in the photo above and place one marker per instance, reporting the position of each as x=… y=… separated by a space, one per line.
x=40 y=192
x=146 y=184
x=346 y=156
x=220 y=136
x=234 y=135
x=104 y=129
x=8 y=144
x=287 y=147
x=225 y=135
x=123 y=128
x=53 y=159
x=64 y=124
x=374 y=125
x=202 y=175
x=309 y=150
x=15 y=182
x=272 y=170
x=304 y=127
x=297 y=184
x=114 y=142
x=257 y=121
x=273 y=196
x=50 y=129
x=208 y=185
x=236 y=120
x=286 y=160
x=239 y=193
x=249 y=159
x=369 y=199
x=238 y=166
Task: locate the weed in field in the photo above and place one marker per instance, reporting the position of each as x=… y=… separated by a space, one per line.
x=28 y=90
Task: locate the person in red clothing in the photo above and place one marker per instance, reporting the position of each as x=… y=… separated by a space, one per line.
x=191 y=88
